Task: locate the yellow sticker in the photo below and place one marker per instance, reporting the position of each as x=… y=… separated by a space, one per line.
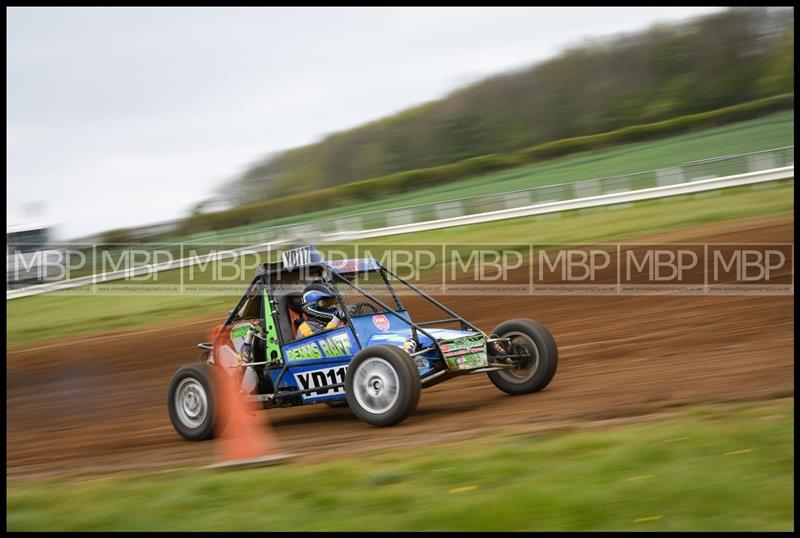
x=648 y=518
x=735 y=452
x=463 y=489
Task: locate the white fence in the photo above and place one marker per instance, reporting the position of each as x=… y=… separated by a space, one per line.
x=577 y=203
x=689 y=172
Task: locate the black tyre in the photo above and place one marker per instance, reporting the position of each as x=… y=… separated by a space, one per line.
x=191 y=401
x=382 y=385
x=531 y=337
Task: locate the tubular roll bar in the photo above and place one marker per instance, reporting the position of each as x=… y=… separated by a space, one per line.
x=437 y=321
x=433 y=301
x=384 y=305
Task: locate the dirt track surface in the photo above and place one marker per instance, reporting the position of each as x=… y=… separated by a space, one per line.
x=99 y=403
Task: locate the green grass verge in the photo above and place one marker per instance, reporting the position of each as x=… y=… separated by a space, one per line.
x=48 y=317
x=712 y=468
x=772 y=131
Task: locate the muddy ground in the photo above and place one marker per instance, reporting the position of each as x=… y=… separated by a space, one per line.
x=98 y=403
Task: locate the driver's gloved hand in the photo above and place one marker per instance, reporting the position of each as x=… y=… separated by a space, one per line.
x=335 y=321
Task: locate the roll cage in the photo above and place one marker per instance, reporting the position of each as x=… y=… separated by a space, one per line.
x=272 y=277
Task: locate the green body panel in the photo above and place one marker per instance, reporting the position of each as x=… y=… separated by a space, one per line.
x=272 y=344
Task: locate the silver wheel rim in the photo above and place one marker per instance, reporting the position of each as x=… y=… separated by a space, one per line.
x=521 y=375
x=376 y=385
x=191 y=403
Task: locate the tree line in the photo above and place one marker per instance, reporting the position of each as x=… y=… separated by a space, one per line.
x=601 y=85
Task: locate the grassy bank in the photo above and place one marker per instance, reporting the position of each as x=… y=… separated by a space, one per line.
x=769 y=132
x=387 y=187
x=709 y=468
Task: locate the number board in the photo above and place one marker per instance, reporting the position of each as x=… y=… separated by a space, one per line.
x=296 y=257
x=311 y=379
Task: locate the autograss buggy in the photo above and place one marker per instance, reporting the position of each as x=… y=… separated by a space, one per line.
x=376 y=362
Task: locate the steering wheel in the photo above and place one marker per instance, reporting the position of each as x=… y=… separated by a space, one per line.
x=355 y=310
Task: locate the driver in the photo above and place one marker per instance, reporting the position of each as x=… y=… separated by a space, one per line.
x=319 y=305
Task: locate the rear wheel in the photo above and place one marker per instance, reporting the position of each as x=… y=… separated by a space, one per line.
x=382 y=385
x=192 y=402
x=539 y=362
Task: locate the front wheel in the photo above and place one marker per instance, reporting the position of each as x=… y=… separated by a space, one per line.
x=191 y=402
x=537 y=366
x=382 y=385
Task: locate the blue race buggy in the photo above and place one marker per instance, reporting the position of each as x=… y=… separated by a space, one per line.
x=376 y=363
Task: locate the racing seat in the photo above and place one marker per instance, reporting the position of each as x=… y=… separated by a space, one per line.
x=290 y=314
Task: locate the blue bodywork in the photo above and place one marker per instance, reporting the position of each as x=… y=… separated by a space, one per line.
x=334 y=350
x=322 y=359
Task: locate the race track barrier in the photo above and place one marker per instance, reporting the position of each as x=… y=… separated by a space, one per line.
x=703 y=185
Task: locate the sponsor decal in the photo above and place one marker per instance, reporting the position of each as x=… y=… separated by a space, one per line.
x=476 y=349
x=353 y=266
x=337 y=345
x=381 y=322
x=334 y=346
x=304 y=352
x=465 y=353
x=347 y=266
x=240 y=331
x=320 y=378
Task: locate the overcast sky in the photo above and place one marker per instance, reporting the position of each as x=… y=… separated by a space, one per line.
x=121 y=116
